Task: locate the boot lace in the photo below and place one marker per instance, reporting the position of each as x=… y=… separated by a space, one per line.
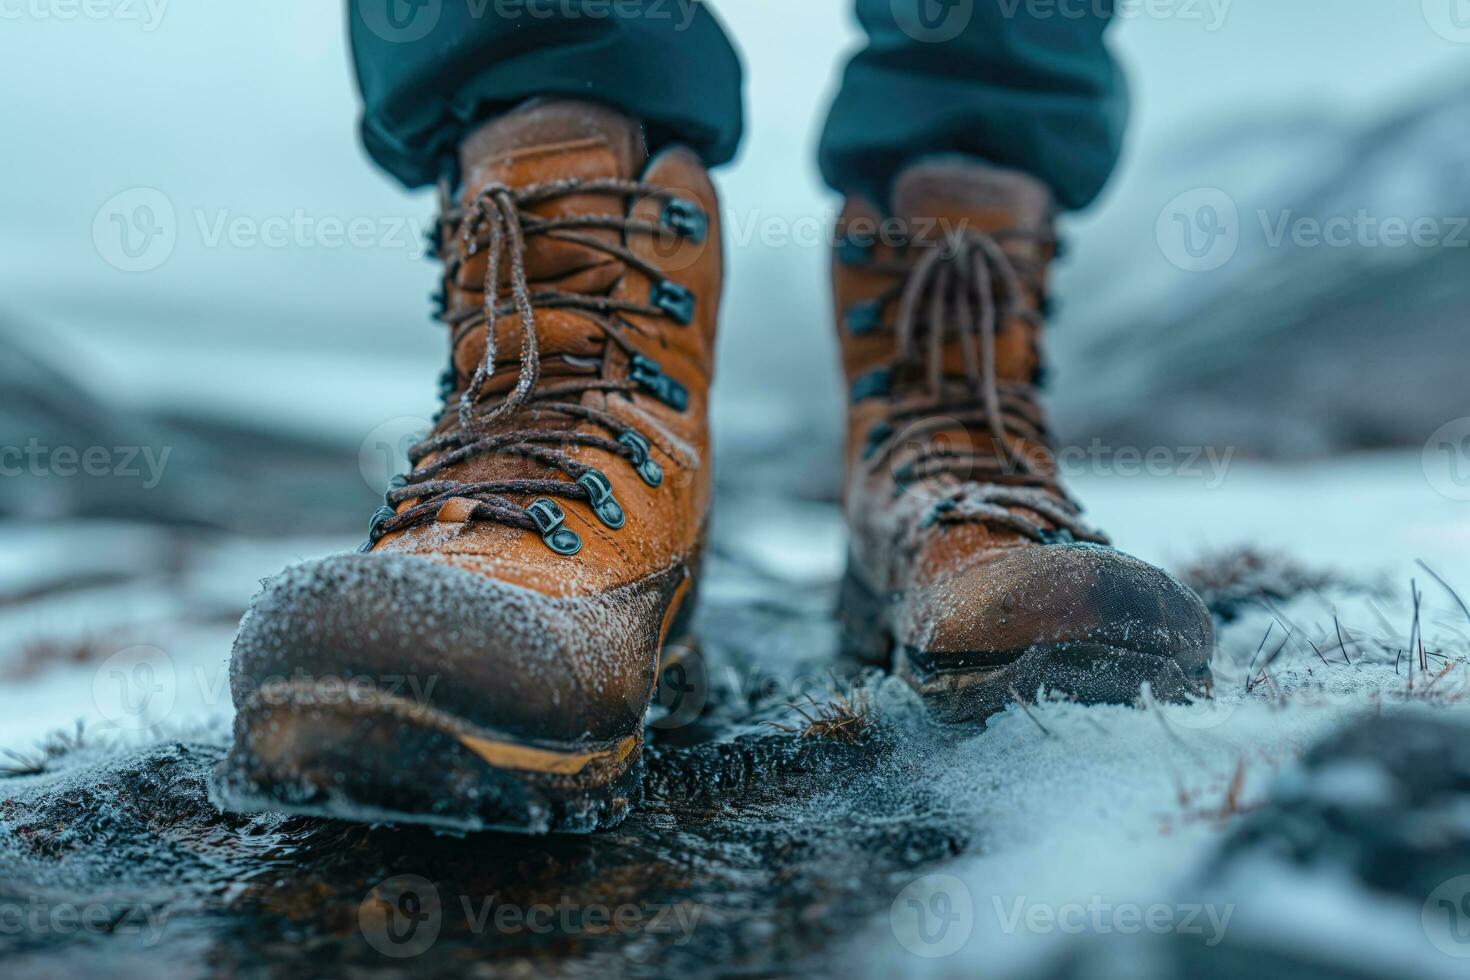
x=497 y=221
x=968 y=288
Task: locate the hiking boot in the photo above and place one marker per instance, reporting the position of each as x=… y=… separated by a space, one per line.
x=970 y=566
x=487 y=660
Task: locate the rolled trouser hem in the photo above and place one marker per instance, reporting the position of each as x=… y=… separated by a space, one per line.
x=672 y=68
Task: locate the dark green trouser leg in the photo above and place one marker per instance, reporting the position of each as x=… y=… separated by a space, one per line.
x=429 y=70
x=1026 y=84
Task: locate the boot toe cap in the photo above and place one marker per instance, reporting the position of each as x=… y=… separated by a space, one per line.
x=1055 y=596
x=497 y=655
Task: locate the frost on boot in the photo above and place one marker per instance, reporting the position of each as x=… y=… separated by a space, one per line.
x=970 y=565
x=488 y=658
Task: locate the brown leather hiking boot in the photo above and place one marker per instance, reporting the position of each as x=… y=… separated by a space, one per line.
x=488 y=660
x=969 y=562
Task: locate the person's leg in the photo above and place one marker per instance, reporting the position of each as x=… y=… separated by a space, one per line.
x=431 y=70
x=1029 y=89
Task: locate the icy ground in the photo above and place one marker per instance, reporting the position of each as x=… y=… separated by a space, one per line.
x=883 y=847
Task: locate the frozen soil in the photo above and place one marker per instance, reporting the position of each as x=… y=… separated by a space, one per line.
x=804 y=816
x=761 y=838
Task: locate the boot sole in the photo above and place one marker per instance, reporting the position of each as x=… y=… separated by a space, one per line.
x=1091 y=673
x=304 y=748
x=326 y=751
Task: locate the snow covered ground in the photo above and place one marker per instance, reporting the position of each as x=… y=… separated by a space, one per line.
x=1368 y=517
x=1086 y=818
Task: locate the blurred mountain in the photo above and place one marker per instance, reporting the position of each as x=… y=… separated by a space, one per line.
x=66 y=452
x=1289 y=348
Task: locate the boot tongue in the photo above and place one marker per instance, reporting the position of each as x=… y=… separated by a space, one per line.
x=544 y=141
x=540 y=142
x=552 y=139
x=941 y=197
x=961 y=192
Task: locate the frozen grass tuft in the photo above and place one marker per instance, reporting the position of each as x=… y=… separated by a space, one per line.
x=57 y=745
x=845 y=717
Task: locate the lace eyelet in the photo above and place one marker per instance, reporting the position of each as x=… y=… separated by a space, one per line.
x=940 y=507
x=550 y=520
x=875 y=384
x=686 y=219
x=854 y=251
x=877 y=435
x=647 y=374
x=375 y=527
x=675 y=300
x=600 y=496
x=642 y=457
x=862 y=318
